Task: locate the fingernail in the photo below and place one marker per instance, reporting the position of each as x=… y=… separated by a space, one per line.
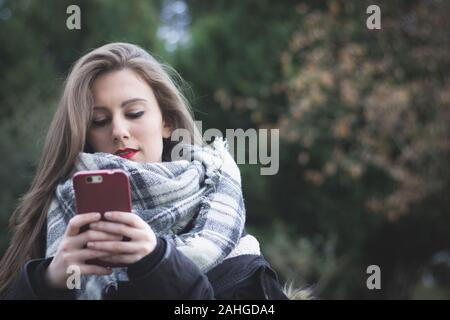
x=90 y=244
x=108 y=214
x=93 y=225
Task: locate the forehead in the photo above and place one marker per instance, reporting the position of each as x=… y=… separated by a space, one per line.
x=113 y=88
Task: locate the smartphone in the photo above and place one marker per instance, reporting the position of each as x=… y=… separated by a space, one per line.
x=102 y=191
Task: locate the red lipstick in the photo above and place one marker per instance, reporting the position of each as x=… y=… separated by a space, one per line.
x=126 y=153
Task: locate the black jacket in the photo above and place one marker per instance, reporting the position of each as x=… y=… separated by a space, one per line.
x=165 y=274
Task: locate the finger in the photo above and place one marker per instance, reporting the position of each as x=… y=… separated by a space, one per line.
x=80 y=240
x=87 y=254
x=114 y=228
x=120 y=259
x=128 y=218
x=90 y=269
x=81 y=220
x=114 y=247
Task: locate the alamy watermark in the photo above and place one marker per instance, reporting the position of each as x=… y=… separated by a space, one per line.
x=74 y=279
x=374 y=20
x=74 y=20
x=258 y=145
x=374 y=280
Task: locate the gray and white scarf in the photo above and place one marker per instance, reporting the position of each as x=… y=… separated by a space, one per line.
x=202 y=191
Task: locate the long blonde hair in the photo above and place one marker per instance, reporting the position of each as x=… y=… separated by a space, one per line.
x=66 y=138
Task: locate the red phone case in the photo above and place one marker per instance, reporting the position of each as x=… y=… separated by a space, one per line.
x=107 y=190
x=112 y=193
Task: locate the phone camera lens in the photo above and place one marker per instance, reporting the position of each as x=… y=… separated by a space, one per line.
x=89 y=179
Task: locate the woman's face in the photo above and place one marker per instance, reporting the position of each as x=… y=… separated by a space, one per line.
x=126 y=115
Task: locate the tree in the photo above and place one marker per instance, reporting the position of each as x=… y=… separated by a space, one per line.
x=36 y=54
x=363 y=120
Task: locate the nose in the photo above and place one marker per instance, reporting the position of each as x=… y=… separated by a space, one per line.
x=120 y=131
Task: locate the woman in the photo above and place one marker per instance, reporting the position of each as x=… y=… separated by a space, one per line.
x=119 y=109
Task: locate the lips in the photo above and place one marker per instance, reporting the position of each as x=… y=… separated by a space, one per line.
x=126 y=153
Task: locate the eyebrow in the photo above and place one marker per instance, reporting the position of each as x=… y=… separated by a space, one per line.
x=125 y=103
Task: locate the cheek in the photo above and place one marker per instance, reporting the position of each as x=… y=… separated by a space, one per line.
x=150 y=139
x=150 y=129
x=149 y=135
x=98 y=141
x=92 y=139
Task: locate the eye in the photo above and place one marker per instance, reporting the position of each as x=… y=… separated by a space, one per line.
x=99 y=123
x=135 y=115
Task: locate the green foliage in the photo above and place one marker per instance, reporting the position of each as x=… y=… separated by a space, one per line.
x=364 y=131
x=36 y=54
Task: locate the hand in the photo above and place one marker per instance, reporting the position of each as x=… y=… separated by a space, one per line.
x=72 y=251
x=125 y=224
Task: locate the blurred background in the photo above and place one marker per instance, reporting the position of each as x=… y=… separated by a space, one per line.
x=363 y=117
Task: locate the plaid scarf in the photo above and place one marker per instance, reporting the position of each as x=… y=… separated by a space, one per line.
x=199 y=195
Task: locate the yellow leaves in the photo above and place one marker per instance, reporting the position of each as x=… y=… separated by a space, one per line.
x=296 y=42
x=387 y=110
x=308 y=90
x=298 y=111
x=240 y=103
x=257 y=117
x=317 y=56
x=369 y=108
x=317 y=95
x=301 y=8
x=401 y=96
x=299 y=83
x=346 y=62
x=286 y=65
x=223 y=99
x=367 y=69
x=288 y=132
x=303 y=158
x=308 y=139
x=292 y=135
x=326 y=79
x=334 y=7
x=350 y=57
x=275 y=88
x=409 y=190
x=330 y=168
x=245 y=103
x=349 y=94
x=341 y=128
x=355 y=170
x=314 y=176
